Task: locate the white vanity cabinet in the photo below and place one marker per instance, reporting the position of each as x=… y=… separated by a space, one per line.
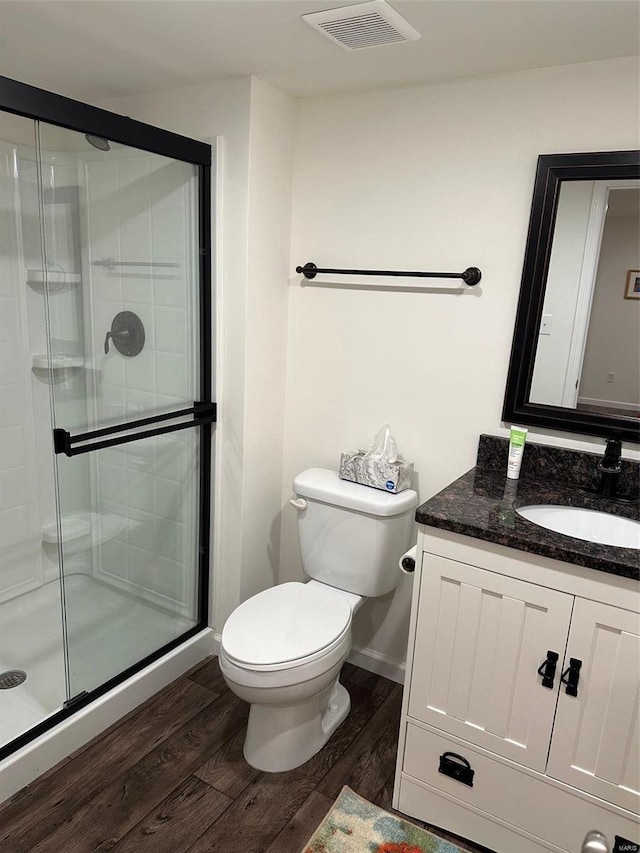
x=548 y=766
x=596 y=738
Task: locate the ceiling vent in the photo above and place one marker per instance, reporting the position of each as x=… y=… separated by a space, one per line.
x=370 y=24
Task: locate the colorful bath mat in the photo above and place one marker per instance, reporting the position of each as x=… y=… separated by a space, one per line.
x=356 y=826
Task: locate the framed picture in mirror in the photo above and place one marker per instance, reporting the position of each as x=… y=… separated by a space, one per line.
x=632 y=289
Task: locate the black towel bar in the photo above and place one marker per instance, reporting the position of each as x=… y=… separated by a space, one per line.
x=471 y=276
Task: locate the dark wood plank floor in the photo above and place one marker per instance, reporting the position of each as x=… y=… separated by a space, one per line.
x=171 y=778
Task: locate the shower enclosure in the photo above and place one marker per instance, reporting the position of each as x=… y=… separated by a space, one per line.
x=105 y=402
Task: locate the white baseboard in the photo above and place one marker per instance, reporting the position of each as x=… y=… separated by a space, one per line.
x=44 y=752
x=608 y=404
x=378 y=663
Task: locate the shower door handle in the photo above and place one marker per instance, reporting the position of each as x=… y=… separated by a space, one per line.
x=203 y=414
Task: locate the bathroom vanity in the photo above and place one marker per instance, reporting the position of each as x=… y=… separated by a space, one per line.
x=520 y=724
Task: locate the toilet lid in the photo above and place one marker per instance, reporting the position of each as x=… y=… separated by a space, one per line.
x=285 y=623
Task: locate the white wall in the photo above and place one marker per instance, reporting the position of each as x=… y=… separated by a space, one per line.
x=270 y=186
x=436 y=178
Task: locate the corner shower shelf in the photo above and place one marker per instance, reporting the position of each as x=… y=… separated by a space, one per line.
x=101 y=526
x=39 y=277
x=41 y=361
x=73 y=527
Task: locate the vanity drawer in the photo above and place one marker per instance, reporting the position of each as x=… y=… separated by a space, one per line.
x=518 y=798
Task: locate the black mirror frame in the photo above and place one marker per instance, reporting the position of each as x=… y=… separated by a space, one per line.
x=552 y=170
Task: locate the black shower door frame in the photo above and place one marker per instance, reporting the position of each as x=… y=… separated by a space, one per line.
x=39 y=105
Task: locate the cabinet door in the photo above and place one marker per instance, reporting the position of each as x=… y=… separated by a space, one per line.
x=480 y=638
x=596 y=738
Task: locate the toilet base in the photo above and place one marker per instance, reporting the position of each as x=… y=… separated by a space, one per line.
x=282 y=737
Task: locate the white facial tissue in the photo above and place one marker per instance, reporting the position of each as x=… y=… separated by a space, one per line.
x=381 y=467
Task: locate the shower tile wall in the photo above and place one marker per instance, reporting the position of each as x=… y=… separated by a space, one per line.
x=26 y=466
x=19 y=530
x=139 y=209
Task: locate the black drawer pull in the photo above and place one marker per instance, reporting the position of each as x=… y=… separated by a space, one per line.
x=547 y=669
x=457 y=767
x=571 y=676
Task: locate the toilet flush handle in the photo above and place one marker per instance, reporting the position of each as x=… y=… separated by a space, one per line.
x=298 y=503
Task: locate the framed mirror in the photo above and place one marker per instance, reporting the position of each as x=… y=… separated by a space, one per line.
x=575 y=358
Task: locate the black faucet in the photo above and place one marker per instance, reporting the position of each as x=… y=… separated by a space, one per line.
x=610 y=467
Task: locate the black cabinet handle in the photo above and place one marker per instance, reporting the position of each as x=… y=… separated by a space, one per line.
x=571 y=676
x=457 y=767
x=547 y=669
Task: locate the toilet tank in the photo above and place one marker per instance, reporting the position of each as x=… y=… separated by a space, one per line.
x=352 y=536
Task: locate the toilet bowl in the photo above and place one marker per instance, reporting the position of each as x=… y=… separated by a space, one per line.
x=282 y=651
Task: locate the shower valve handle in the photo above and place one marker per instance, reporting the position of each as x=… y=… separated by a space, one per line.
x=126 y=334
x=123 y=334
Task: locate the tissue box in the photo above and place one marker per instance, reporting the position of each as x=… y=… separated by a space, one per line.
x=389 y=476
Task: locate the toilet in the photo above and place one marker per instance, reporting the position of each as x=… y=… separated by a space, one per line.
x=282 y=649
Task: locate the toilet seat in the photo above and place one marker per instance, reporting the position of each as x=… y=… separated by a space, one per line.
x=286 y=626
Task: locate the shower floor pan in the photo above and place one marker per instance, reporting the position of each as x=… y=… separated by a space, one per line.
x=108 y=631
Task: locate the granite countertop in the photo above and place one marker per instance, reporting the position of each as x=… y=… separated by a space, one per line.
x=482 y=503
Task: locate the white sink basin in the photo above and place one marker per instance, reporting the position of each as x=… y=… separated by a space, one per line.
x=589 y=524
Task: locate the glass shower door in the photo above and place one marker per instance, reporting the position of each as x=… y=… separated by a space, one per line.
x=130 y=408
x=32 y=663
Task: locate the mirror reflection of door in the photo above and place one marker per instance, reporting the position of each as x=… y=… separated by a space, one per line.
x=588 y=353
x=610 y=376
